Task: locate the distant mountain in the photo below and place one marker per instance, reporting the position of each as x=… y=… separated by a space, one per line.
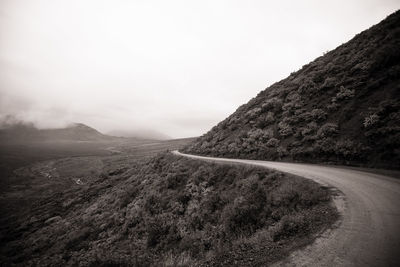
x=22 y=132
x=344 y=107
x=140 y=134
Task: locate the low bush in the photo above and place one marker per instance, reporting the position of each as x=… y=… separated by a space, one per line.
x=327 y=130
x=285 y=129
x=344 y=93
x=370 y=120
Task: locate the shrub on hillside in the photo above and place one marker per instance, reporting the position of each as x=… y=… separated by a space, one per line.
x=329 y=82
x=349 y=150
x=258 y=134
x=251 y=114
x=272 y=104
x=285 y=129
x=327 y=130
x=318 y=114
x=265 y=120
x=370 y=120
x=344 y=93
x=273 y=142
x=309 y=129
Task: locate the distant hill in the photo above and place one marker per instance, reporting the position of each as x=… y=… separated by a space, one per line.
x=141 y=134
x=344 y=108
x=22 y=132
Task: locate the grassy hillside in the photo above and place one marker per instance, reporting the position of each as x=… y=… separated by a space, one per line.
x=344 y=107
x=166 y=210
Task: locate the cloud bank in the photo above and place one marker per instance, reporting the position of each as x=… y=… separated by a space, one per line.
x=177 y=67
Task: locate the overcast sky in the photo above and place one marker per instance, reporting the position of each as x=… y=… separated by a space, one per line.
x=178 y=67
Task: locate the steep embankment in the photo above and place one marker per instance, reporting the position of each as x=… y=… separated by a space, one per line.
x=165 y=211
x=343 y=107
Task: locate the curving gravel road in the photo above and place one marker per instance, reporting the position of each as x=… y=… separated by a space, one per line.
x=368 y=233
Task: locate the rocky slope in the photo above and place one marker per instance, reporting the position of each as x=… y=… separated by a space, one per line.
x=344 y=107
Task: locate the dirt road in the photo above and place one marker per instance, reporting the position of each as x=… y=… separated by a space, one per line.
x=369 y=231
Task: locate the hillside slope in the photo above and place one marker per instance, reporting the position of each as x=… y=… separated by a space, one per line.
x=343 y=107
